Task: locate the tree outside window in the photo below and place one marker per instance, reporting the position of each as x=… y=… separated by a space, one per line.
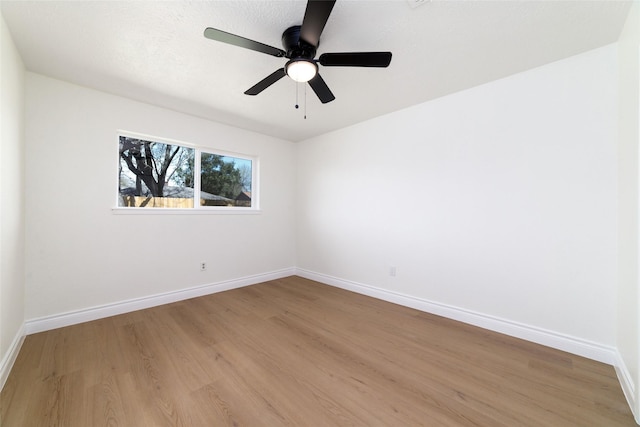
x=161 y=175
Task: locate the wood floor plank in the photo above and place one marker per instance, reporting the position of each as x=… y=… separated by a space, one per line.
x=296 y=352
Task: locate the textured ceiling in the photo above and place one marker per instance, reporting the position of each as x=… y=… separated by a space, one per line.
x=155 y=52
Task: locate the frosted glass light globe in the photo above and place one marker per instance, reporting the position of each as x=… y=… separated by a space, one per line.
x=301 y=70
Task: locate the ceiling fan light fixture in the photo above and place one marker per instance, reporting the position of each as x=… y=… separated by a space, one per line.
x=300 y=44
x=301 y=70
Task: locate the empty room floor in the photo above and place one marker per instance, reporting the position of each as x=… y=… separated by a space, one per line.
x=297 y=352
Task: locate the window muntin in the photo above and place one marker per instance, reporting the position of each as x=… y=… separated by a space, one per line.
x=155 y=174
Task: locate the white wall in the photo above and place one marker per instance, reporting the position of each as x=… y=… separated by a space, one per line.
x=498 y=201
x=628 y=322
x=11 y=200
x=81 y=255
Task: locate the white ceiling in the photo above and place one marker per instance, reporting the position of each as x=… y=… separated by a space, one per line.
x=155 y=52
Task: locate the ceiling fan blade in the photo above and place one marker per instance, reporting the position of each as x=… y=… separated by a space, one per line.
x=355 y=59
x=321 y=89
x=315 y=18
x=266 y=82
x=224 y=37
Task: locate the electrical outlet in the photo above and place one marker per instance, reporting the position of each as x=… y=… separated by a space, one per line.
x=203 y=266
x=392 y=271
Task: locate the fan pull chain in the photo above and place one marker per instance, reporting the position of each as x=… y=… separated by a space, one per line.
x=305 y=99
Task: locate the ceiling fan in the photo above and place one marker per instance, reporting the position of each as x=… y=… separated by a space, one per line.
x=300 y=43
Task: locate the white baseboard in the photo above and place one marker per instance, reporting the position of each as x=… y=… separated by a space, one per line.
x=10 y=356
x=93 y=313
x=541 y=336
x=627 y=384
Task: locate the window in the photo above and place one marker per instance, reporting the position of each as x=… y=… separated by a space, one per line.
x=154 y=174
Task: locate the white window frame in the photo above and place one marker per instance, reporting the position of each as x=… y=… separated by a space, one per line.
x=196 y=209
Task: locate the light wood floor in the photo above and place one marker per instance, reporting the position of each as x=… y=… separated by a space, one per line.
x=295 y=352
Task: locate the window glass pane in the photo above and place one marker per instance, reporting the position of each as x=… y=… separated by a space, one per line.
x=225 y=181
x=155 y=175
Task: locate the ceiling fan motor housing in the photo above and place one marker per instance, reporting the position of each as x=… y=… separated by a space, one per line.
x=295 y=47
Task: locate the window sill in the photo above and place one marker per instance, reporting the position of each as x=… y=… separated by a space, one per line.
x=170 y=211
